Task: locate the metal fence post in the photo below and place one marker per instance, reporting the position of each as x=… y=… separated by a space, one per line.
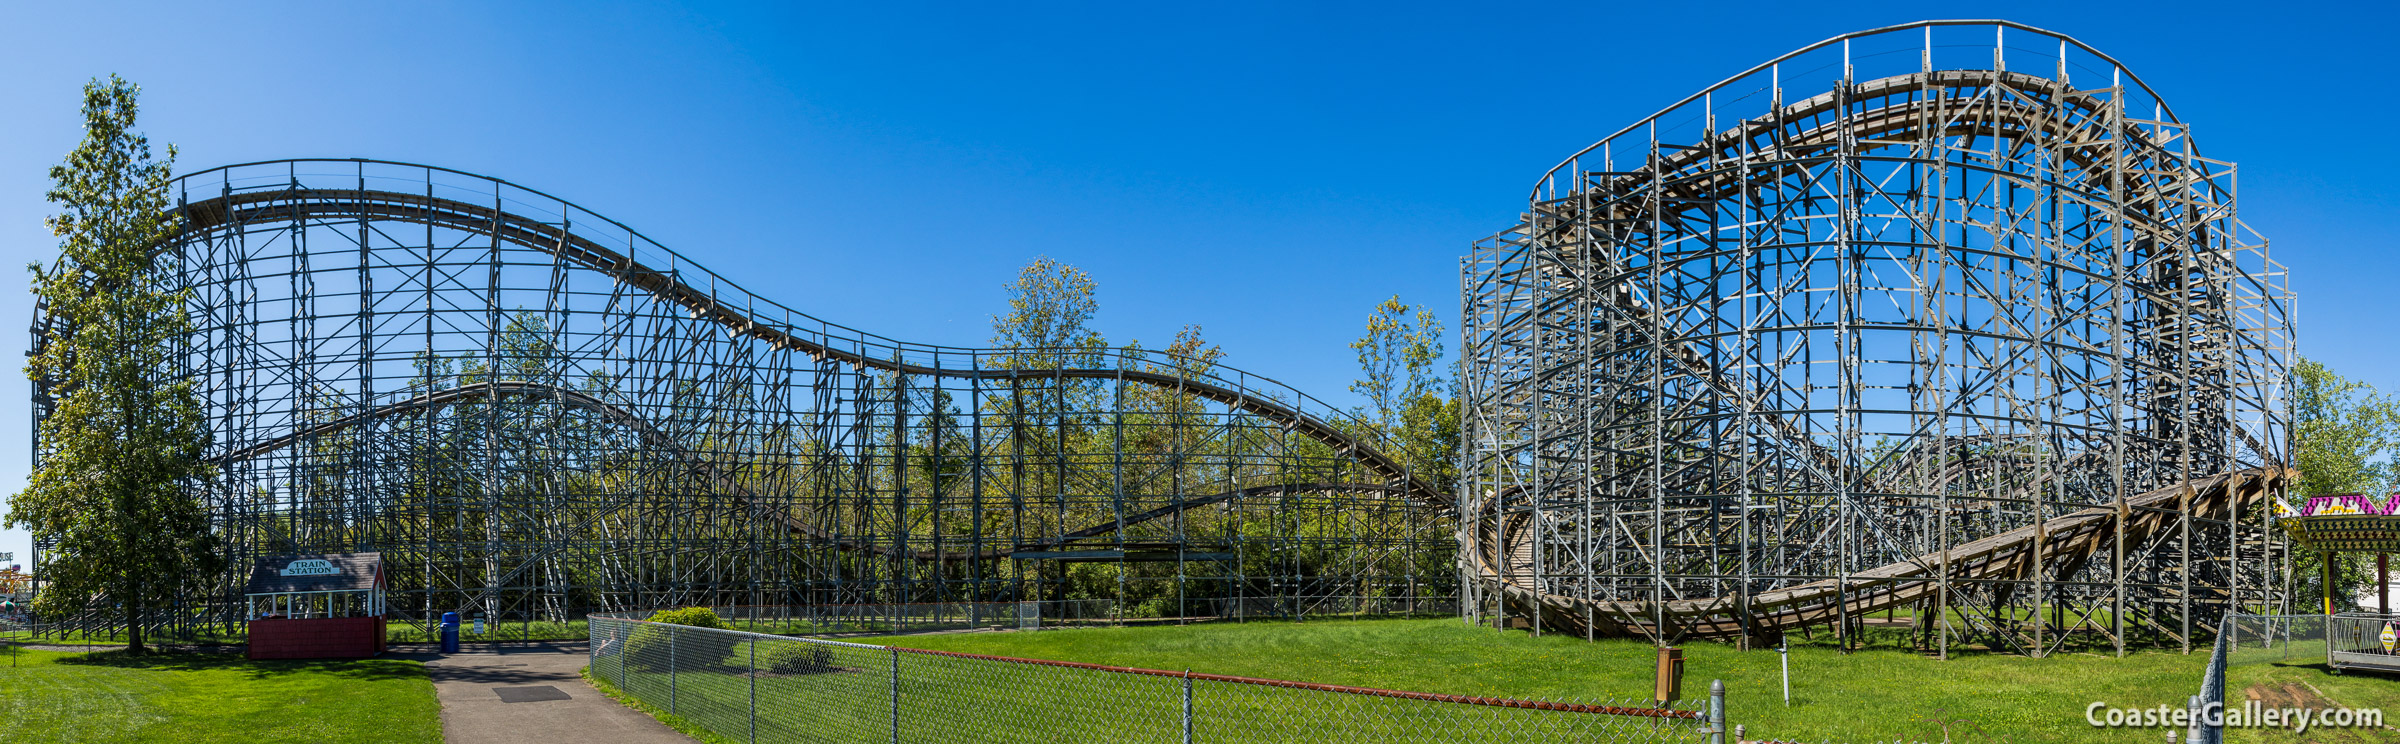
x=1716 y=711
x=895 y=695
x=1187 y=706
x=754 y=684
x=674 y=670
x=1784 y=650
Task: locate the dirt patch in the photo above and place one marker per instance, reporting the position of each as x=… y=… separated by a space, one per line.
x=2287 y=695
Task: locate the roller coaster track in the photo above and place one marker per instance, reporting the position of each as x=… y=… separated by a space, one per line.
x=238 y=211
x=231 y=211
x=1707 y=173
x=2065 y=544
x=651 y=436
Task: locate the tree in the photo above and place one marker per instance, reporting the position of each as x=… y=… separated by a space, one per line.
x=1190 y=356
x=1050 y=310
x=2344 y=433
x=1408 y=398
x=1048 y=326
x=1397 y=358
x=2343 y=430
x=119 y=472
x=1194 y=356
x=1429 y=437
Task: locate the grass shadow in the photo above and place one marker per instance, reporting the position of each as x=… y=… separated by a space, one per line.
x=367 y=670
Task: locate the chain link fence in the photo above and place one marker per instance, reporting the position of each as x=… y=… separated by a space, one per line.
x=409 y=627
x=913 y=617
x=2308 y=640
x=909 y=618
x=755 y=687
x=2271 y=639
x=2206 y=728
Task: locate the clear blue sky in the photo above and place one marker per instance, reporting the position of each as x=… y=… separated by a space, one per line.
x=1269 y=172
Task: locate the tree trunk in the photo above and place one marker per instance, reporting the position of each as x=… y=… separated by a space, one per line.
x=133 y=621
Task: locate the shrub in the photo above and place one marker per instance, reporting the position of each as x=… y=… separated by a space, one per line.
x=796 y=657
x=1156 y=607
x=783 y=657
x=650 y=648
x=697 y=617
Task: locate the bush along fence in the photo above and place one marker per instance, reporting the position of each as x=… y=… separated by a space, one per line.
x=752 y=687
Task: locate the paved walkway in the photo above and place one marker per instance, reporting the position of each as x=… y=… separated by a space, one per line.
x=528 y=692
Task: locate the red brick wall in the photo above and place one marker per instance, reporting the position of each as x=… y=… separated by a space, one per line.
x=316 y=638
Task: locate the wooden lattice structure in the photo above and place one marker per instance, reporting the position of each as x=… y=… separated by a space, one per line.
x=1951 y=317
x=532 y=412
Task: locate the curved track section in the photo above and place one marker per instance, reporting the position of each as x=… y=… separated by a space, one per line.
x=235 y=212
x=1746 y=362
x=534 y=412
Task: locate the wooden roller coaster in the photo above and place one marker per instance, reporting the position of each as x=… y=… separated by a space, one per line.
x=1974 y=332
x=536 y=411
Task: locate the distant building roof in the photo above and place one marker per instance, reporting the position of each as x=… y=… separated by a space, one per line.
x=323 y=572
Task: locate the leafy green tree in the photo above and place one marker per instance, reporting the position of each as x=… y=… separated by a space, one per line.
x=2344 y=434
x=2344 y=430
x=1396 y=360
x=1050 y=310
x=1408 y=398
x=1160 y=419
x=1429 y=437
x=1048 y=326
x=119 y=471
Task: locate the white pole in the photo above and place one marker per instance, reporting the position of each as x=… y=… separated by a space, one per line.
x=1785 y=651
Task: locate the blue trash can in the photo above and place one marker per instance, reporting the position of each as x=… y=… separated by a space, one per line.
x=449 y=632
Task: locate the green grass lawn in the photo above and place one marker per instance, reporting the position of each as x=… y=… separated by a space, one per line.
x=849 y=694
x=194 y=698
x=2297 y=676
x=199 y=636
x=1872 y=695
